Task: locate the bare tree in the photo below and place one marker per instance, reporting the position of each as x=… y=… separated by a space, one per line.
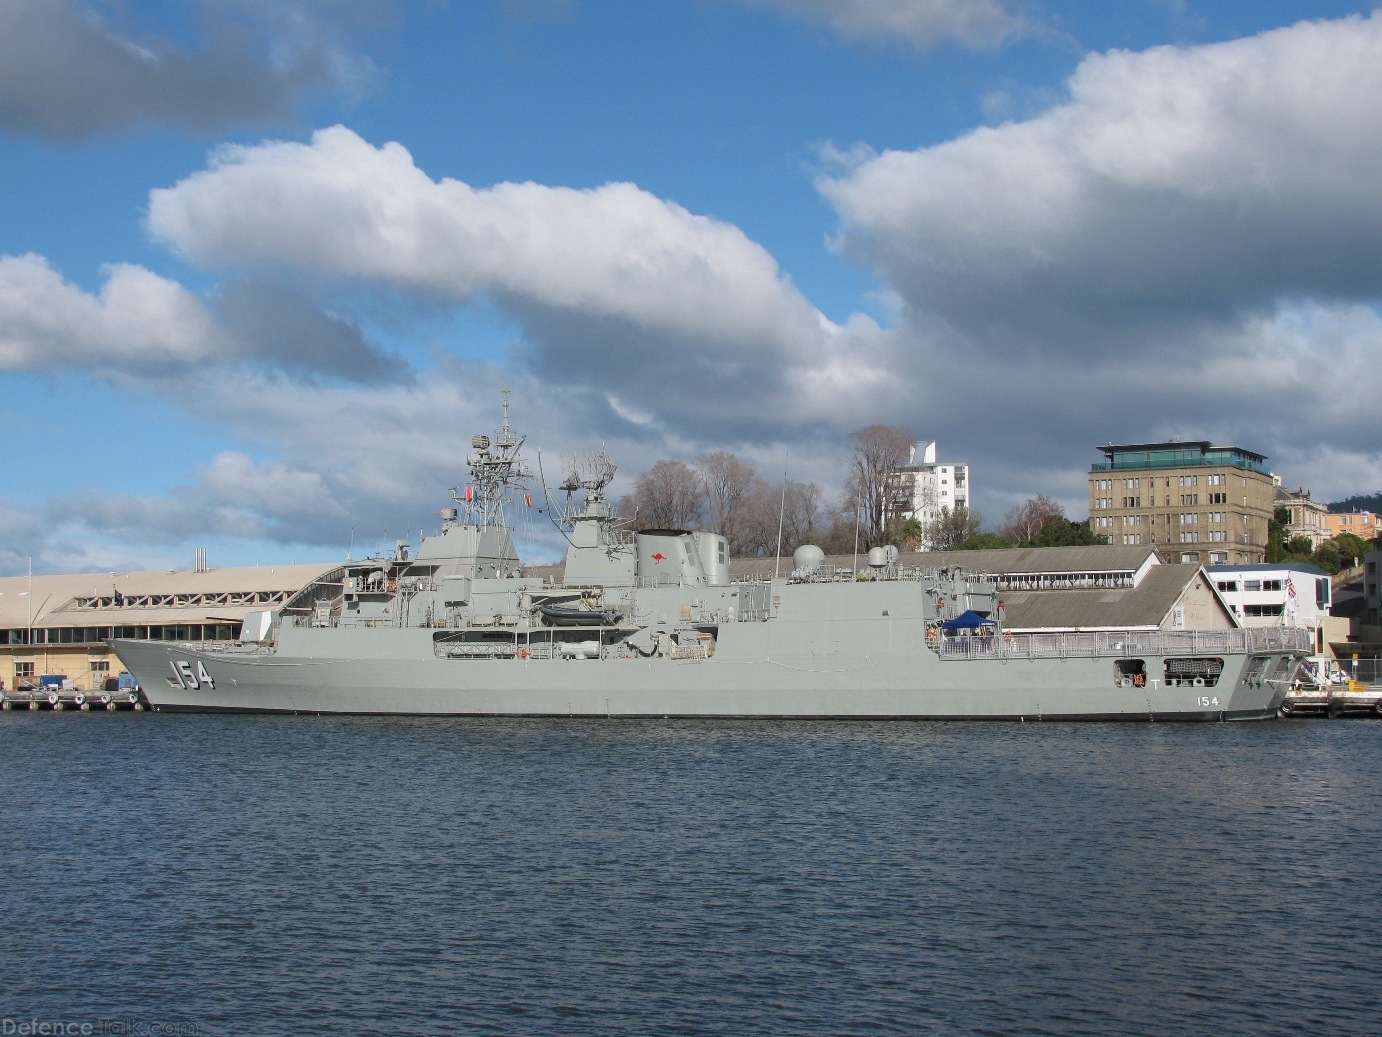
x=801 y=512
x=669 y=495
x=1025 y=522
x=879 y=451
x=952 y=527
x=727 y=482
x=755 y=530
x=794 y=509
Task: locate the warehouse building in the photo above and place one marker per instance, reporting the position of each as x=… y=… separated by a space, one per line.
x=60 y=625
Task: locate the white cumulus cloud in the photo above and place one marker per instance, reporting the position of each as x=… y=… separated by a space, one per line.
x=138 y=320
x=1177 y=183
x=611 y=284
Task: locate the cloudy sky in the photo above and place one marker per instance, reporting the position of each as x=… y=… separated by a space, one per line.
x=267 y=265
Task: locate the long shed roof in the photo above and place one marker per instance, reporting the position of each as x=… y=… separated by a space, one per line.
x=157 y=597
x=1144 y=606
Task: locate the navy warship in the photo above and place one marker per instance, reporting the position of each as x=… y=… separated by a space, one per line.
x=649 y=623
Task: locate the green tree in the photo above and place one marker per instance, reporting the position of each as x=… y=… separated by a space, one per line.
x=909 y=534
x=982 y=541
x=1063 y=532
x=952 y=527
x=1351 y=546
x=1299 y=547
x=1327 y=557
x=1276 y=534
x=1338 y=554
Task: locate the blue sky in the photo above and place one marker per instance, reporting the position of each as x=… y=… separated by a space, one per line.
x=266 y=265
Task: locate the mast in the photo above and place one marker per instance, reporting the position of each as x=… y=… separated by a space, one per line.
x=494 y=465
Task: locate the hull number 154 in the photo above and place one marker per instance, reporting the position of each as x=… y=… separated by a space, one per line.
x=188 y=677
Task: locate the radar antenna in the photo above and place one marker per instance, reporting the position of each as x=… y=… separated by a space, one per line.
x=494 y=467
x=588 y=472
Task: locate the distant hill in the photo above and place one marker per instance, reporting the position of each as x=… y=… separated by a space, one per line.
x=1358 y=502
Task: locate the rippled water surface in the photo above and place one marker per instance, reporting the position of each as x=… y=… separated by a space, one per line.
x=261 y=875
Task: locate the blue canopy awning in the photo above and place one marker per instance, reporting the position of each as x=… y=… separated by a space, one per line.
x=967 y=620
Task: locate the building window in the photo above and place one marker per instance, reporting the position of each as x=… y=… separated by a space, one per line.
x=1252 y=585
x=1271 y=585
x=23 y=669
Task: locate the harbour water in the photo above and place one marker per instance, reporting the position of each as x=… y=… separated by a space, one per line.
x=295 y=875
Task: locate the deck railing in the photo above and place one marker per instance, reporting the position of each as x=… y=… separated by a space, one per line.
x=1126 y=644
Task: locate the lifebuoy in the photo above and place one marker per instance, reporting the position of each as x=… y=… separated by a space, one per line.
x=1199 y=682
x=79 y=698
x=1139 y=680
x=523 y=653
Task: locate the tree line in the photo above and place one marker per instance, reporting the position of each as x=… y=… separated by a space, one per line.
x=724 y=494
x=1333 y=555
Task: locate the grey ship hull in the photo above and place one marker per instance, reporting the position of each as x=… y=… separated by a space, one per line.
x=869 y=669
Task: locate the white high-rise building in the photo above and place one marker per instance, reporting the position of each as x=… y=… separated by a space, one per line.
x=926 y=486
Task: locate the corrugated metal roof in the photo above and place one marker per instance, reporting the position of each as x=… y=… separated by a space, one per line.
x=158 y=597
x=1145 y=606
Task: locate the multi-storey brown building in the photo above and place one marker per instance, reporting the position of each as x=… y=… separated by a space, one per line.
x=1365 y=524
x=1193 y=502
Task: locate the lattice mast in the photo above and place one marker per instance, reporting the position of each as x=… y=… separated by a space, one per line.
x=495 y=471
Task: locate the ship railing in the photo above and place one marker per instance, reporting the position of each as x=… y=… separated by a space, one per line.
x=229 y=647
x=1125 y=643
x=903 y=574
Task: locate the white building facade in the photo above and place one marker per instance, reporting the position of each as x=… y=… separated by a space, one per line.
x=1293 y=594
x=926 y=486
